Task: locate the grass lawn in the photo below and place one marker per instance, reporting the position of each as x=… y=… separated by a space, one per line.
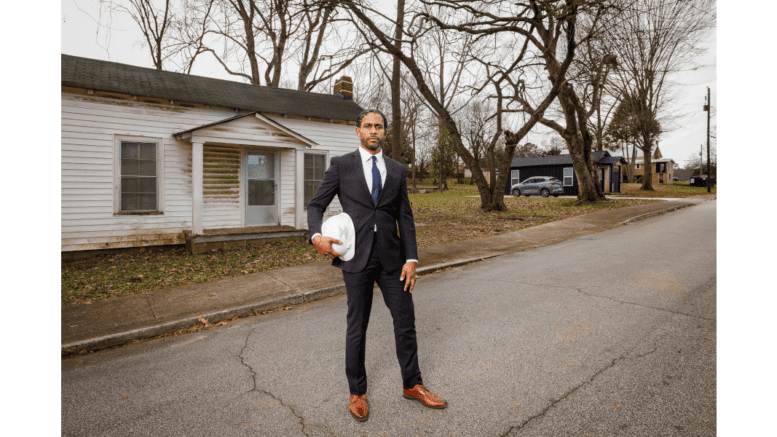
x=440 y=218
x=678 y=189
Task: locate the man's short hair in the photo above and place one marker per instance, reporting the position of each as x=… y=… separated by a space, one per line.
x=370 y=111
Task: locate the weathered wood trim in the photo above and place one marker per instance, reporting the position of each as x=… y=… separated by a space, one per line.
x=197 y=170
x=299 y=189
x=306 y=141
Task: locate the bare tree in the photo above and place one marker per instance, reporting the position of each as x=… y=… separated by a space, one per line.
x=523 y=23
x=259 y=40
x=575 y=110
x=154 y=19
x=555 y=30
x=396 y=105
x=189 y=32
x=320 y=26
x=655 y=39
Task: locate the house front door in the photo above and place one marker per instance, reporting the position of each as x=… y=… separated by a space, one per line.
x=261 y=189
x=601 y=178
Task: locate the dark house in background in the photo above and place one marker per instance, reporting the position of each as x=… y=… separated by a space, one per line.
x=560 y=167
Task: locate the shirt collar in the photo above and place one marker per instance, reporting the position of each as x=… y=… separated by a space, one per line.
x=366 y=156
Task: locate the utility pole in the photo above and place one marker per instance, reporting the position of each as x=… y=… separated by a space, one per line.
x=709 y=176
x=701 y=160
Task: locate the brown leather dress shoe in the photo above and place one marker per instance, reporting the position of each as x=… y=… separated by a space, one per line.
x=421 y=394
x=359 y=408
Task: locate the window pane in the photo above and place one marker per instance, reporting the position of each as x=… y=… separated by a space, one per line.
x=129 y=167
x=315 y=167
x=147 y=202
x=146 y=185
x=320 y=167
x=129 y=185
x=261 y=167
x=129 y=150
x=147 y=151
x=260 y=192
x=146 y=168
x=310 y=191
x=129 y=202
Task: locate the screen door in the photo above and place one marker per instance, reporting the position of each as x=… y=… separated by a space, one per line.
x=261 y=199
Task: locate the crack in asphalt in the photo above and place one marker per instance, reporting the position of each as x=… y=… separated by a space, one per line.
x=641 y=305
x=579 y=290
x=256 y=389
x=542 y=413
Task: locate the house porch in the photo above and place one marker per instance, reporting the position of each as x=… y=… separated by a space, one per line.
x=212 y=239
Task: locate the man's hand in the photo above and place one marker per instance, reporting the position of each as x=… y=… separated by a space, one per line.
x=408 y=271
x=324 y=245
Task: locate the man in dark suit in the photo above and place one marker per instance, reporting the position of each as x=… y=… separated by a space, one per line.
x=372 y=190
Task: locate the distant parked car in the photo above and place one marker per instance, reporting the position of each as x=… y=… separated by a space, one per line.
x=542 y=185
x=676 y=179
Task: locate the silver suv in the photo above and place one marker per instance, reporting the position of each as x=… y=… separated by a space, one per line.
x=542 y=185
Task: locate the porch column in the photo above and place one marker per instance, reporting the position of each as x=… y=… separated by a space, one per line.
x=197 y=188
x=299 y=189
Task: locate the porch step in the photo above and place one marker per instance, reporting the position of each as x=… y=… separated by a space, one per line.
x=239 y=237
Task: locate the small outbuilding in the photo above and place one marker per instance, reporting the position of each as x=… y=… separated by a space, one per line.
x=560 y=167
x=154 y=157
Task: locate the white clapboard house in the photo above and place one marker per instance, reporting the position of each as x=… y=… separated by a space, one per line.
x=155 y=158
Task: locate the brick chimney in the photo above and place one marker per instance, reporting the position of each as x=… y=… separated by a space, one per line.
x=344 y=87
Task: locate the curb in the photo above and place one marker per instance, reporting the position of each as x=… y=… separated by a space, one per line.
x=655 y=213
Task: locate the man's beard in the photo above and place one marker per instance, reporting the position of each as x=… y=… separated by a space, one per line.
x=374 y=147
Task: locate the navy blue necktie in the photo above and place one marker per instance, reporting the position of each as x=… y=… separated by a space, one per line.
x=375 y=180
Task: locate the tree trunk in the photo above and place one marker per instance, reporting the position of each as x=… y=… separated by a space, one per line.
x=647 y=179
x=396 y=104
x=588 y=190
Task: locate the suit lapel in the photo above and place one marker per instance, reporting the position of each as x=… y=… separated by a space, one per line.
x=390 y=177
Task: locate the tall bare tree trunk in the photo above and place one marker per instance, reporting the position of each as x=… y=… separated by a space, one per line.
x=396 y=104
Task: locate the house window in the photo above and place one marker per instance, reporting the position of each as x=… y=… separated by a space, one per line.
x=514 y=177
x=138 y=185
x=637 y=166
x=568 y=176
x=315 y=166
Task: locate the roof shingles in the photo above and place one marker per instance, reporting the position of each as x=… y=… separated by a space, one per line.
x=146 y=82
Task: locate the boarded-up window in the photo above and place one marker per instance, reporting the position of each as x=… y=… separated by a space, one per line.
x=138 y=176
x=315 y=166
x=568 y=176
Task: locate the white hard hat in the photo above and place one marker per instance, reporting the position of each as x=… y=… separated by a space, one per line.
x=340 y=227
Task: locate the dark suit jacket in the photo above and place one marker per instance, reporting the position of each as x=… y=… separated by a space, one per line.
x=345 y=178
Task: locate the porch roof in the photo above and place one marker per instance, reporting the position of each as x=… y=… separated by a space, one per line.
x=307 y=141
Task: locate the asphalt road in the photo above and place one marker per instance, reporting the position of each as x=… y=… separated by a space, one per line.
x=612 y=334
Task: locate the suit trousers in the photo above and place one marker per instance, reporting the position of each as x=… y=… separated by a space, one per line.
x=359 y=288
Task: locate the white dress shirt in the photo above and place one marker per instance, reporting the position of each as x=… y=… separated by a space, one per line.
x=366 y=158
x=367 y=164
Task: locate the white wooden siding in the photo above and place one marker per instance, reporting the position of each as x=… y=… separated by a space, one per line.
x=89 y=125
